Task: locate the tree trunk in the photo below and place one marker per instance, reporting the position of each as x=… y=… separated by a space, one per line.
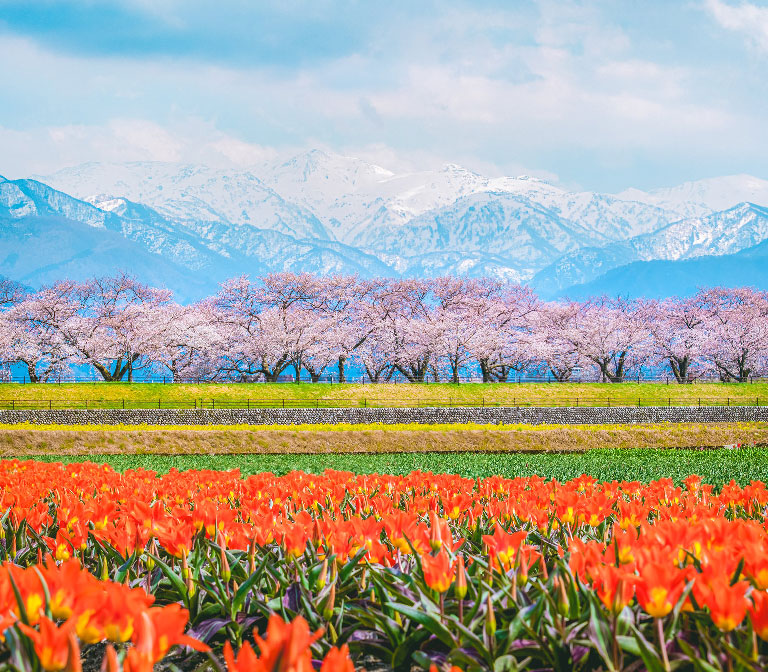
x=297 y=368
x=342 y=370
x=680 y=368
x=32 y=372
x=455 y=372
x=104 y=371
x=560 y=375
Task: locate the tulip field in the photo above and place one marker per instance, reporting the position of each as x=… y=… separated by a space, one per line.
x=196 y=570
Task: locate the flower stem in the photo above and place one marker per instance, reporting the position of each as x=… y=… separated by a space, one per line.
x=662 y=643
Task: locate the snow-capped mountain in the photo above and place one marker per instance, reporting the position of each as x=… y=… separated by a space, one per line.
x=325 y=213
x=721 y=233
x=187 y=193
x=47 y=235
x=694 y=199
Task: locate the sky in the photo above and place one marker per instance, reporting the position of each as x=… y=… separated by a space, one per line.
x=600 y=95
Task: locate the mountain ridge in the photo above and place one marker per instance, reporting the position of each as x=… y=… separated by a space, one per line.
x=326 y=213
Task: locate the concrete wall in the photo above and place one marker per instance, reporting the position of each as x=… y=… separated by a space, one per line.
x=289 y=416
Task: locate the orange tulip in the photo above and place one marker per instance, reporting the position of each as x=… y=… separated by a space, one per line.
x=286 y=648
x=727 y=603
x=461 y=579
x=503 y=546
x=245 y=661
x=51 y=642
x=168 y=625
x=337 y=660
x=659 y=587
x=615 y=587
x=438 y=571
x=758 y=613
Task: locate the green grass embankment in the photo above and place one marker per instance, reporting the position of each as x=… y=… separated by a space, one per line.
x=714 y=466
x=323 y=394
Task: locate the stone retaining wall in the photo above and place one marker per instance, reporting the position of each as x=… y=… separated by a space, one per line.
x=291 y=416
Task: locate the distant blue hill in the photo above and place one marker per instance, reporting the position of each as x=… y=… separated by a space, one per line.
x=659 y=279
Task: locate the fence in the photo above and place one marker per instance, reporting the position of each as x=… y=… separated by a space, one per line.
x=245 y=404
x=333 y=380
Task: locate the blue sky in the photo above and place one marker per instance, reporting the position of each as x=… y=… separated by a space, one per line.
x=600 y=95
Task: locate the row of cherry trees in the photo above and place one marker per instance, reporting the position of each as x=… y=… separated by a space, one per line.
x=418 y=329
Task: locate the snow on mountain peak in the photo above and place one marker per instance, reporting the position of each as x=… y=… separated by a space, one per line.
x=699 y=197
x=314 y=209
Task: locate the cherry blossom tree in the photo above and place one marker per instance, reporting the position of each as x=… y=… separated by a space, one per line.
x=553 y=340
x=28 y=336
x=678 y=329
x=503 y=345
x=459 y=320
x=405 y=310
x=255 y=344
x=188 y=343
x=421 y=329
x=613 y=334
x=736 y=339
x=11 y=293
x=111 y=323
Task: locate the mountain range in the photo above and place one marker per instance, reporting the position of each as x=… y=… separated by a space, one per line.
x=189 y=227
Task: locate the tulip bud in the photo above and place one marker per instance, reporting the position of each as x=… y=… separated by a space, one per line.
x=522 y=570
x=110 y=663
x=330 y=602
x=490 y=617
x=186 y=575
x=543 y=568
x=252 y=557
x=563 y=604
x=435 y=538
x=184 y=566
x=104 y=569
x=461 y=579
x=149 y=561
x=74 y=663
x=323 y=575
x=226 y=572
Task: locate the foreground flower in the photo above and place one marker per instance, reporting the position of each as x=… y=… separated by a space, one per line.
x=438 y=571
x=758 y=613
x=727 y=603
x=286 y=648
x=337 y=660
x=51 y=642
x=615 y=587
x=659 y=588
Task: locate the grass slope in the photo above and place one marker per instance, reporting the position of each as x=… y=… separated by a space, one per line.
x=313 y=439
x=715 y=466
x=507 y=394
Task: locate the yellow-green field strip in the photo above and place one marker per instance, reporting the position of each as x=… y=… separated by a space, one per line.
x=222 y=395
x=30 y=440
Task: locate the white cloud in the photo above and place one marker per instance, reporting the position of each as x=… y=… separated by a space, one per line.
x=45 y=150
x=746 y=18
x=496 y=91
